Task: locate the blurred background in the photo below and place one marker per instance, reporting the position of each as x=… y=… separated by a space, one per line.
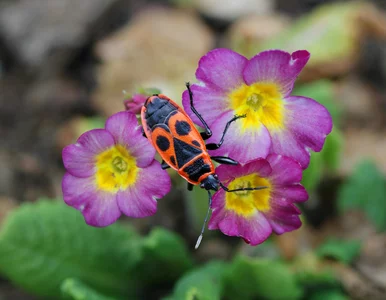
x=63 y=67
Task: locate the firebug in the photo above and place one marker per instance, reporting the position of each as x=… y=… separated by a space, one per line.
x=182 y=146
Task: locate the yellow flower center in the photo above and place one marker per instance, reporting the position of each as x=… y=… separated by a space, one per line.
x=247 y=202
x=261 y=103
x=115 y=169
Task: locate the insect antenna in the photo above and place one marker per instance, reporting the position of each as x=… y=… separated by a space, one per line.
x=204 y=225
x=242 y=189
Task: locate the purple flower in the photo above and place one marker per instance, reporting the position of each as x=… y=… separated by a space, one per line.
x=133 y=103
x=260 y=88
x=253 y=215
x=112 y=171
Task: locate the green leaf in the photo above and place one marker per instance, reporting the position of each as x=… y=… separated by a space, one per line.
x=165 y=252
x=77 y=290
x=43 y=244
x=365 y=190
x=313 y=174
x=332 y=294
x=248 y=278
x=344 y=251
x=332 y=150
x=323 y=92
x=204 y=283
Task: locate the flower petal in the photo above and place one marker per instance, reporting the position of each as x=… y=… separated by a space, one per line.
x=254 y=229
x=209 y=103
x=283 y=215
x=294 y=192
x=79 y=158
x=276 y=66
x=258 y=166
x=98 y=208
x=307 y=124
x=222 y=69
x=102 y=211
x=127 y=132
x=285 y=170
x=140 y=199
x=240 y=144
x=77 y=192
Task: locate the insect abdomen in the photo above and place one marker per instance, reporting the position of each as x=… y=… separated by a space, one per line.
x=196 y=168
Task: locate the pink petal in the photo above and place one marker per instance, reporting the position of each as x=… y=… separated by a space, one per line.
x=260 y=167
x=293 y=192
x=209 y=103
x=307 y=124
x=98 y=208
x=140 y=199
x=222 y=69
x=79 y=158
x=255 y=229
x=126 y=131
x=77 y=192
x=283 y=215
x=276 y=66
x=285 y=170
x=240 y=145
x=102 y=211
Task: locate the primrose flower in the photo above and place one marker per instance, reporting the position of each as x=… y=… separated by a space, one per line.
x=253 y=215
x=133 y=103
x=259 y=88
x=112 y=171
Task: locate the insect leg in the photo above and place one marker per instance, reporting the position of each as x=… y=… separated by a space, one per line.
x=224 y=160
x=164 y=165
x=208 y=133
x=143 y=132
x=190 y=186
x=204 y=225
x=214 y=146
x=242 y=189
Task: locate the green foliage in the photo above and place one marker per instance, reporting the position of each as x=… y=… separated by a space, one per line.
x=313 y=174
x=332 y=150
x=344 y=251
x=327 y=159
x=165 y=252
x=204 y=283
x=248 y=278
x=76 y=290
x=329 y=294
x=43 y=244
x=365 y=190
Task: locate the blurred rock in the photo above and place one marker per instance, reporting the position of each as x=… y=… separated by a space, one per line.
x=362 y=143
x=294 y=243
x=159 y=48
x=6 y=206
x=44 y=34
x=71 y=130
x=56 y=95
x=358 y=102
x=231 y=10
x=6 y=174
x=247 y=33
x=358 y=287
x=372 y=261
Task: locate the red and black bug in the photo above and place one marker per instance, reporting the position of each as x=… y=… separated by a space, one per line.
x=182 y=146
